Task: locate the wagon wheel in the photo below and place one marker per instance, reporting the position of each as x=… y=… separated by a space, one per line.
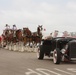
x=40 y=53
x=56 y=56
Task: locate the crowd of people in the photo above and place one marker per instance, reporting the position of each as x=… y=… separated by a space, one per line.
x=56 y=33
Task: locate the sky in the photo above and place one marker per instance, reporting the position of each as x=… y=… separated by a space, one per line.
x=52 y=14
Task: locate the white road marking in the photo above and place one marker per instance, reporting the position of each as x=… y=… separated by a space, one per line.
x=72 y=69
x=32 y=72
x=63 y=71
x=43 y=71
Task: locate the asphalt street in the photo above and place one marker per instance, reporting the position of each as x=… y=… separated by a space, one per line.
x=26 y=63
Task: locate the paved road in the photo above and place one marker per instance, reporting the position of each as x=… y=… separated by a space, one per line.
x=16 y=63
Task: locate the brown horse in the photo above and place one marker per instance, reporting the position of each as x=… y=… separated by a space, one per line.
x=19 y=36
x=3 y=40
x=36 y=39
x=12 y=36
x=39 y=30
x=37 y=36
x=8 y=36
x=27 y=36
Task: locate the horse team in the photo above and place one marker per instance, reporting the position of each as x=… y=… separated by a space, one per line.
x=22 y=37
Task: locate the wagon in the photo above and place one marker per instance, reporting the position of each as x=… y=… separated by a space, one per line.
x=60 y=48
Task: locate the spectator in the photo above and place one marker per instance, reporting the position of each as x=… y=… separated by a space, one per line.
x=65 y=34
x=55 y=33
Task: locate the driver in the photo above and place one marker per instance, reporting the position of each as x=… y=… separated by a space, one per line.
x=7 y=27
x=14 y=27
x=14 y=30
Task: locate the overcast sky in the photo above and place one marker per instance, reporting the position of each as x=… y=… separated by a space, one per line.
x=52 y=14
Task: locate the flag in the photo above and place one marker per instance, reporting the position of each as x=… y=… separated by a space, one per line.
x=44 y=29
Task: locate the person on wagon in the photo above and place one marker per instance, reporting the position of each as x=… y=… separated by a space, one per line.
x=14 y=27
x=14 y=30
x=7 y=27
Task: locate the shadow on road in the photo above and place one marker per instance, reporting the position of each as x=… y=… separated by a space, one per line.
x=62 y=62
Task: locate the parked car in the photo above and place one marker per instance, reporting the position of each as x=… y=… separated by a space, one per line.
x=60 y=48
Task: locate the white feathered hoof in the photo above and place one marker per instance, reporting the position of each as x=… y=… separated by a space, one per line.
x=17 y=47
x=29 y=49
x=10 y=47
x=25 y=48
x=6 y=47
x=14 y=48
x=35 y=50
x=22 y=49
